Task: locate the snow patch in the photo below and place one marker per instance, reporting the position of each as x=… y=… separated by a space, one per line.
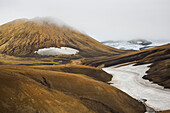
x=129 y=80
x=57 y=51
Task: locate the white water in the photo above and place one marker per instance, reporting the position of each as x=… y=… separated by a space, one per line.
x=57 y=51
x=129 y=79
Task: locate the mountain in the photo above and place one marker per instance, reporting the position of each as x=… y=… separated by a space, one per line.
x=32 y=83
x=158 y=57
x=23 y=37
x=136 y=44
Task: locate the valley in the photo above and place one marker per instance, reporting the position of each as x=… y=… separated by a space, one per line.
x=45 y=67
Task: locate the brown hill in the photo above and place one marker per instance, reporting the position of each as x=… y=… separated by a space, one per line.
x=22 y=37
x=95 y=73
x=158 y=56
x=26 y=89
x=20 y=94
x=167 y=111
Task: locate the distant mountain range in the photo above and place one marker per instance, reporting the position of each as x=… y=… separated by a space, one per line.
x=137 y=44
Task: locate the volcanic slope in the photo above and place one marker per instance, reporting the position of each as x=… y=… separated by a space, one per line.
x=23 y=37
x=25 y=89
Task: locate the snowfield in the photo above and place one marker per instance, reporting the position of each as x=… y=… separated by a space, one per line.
x=126 y=45
x=129 y=80
x=57 y=51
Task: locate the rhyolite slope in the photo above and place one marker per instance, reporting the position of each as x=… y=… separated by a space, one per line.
x=26 y=89
x=23 y=37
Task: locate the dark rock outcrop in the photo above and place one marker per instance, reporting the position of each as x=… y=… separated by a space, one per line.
x=140 y=42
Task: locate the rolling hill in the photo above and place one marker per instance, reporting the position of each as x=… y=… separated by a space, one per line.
x=35 y=89
x=158 y=57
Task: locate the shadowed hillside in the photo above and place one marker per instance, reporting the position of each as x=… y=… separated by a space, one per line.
x=159 y=57
x=22 y=37
x=25 y=89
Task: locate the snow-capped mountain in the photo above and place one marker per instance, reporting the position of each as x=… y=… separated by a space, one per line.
x=137 y=44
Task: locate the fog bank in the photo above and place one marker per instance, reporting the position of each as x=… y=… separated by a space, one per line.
x=101 y=19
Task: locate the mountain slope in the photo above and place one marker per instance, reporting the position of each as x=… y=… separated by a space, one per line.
x=159 y=57
x=23 y=37
x=21 y=94
x=26 y=89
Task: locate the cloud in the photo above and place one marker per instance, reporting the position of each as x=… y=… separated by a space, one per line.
x=101 y=19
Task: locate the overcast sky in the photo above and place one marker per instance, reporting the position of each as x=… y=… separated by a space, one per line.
x=101 y=19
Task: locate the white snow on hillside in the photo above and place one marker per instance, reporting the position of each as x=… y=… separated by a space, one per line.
x=129 y=80
x=57 y=51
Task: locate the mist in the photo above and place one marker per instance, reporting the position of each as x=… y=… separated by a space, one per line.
x=100 y=19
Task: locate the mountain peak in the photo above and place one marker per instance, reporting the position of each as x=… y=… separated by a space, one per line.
x=23 y=37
